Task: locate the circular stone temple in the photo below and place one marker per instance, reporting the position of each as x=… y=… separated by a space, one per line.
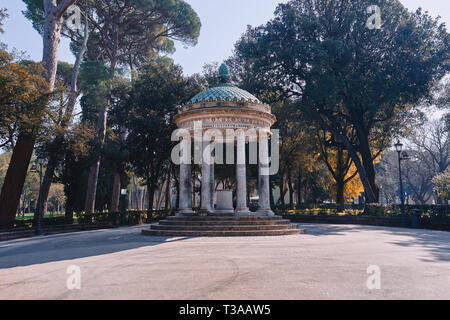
x=223 y=114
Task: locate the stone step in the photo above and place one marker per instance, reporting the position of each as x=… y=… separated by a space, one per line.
x=254 y=233
x=225 y=218
x=223 y=222
x=223 y=227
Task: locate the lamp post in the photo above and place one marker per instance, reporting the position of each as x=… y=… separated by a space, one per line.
x=40 y=161
x=401 y=156
x=123 y=211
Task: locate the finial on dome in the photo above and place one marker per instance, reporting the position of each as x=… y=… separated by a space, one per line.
x=224 y=74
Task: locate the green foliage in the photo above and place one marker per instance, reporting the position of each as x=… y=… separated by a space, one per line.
x=435 y=212
x=4 y=161
x=145 y=29
x=115 y=218
x=210 y=74
x=95 y=83
x=3 y=16
x=426 y=211
x=78 y=154
x=22 y=97
x=64 y=73
x=348 y=76
x=158 y=90
x=442 y=182
x=329 y=208
x=31 y=185
x=35 y=13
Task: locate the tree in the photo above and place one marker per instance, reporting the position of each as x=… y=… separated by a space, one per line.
x=130 y=32
x=442 y=182
x=432 y=154
x=57 y=197
x=348 y=76
x=4 y=160
x=69 y=80
x=3 y=16
x=387 y=177
x=346 y=184
x=21 y=95
x=158 y=90
x=116 y=150
x=15 y=176
x=418 y=177
x=297 y=144
x=442 y=99
x=79 y=150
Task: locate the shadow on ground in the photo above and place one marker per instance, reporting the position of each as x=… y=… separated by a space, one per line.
x=25 y=252
x=435 y=242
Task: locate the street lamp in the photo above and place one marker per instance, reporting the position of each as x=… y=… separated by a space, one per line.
x=401 y=156
x=40 y=161
x=123 y=211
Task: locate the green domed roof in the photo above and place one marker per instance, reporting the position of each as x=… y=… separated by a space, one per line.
x=224 y=91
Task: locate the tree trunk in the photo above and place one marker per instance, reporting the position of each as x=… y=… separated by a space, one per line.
x=369 y=193
x=95 y=168
x=177 y=203
x=143 y=197
x=166 y=200
x=41 y=208
x=299 y=187
x=282 y=192
x=65 y=121
x=92 y=187
x=23 y=205
x=115 y=194
x=340 y=199
x=136 y=196
x=340 y=178
x=15 y=178
x=369 y=168
x=116 y=188
x=151 y=197
x=272 y=200
x=22 y=152
x=291 y=192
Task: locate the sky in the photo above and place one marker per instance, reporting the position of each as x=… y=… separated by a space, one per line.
x=223 y=23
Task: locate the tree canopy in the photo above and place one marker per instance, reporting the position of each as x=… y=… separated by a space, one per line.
x=351 y=78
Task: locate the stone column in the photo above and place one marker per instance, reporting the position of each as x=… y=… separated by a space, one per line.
x=213 y=183
x=241 y=177
x=185 y=207
x=263 y=175
x=206 y=177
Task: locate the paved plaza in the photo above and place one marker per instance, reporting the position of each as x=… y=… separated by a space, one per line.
x=329 y=262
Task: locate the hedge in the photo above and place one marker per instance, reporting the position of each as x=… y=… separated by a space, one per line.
x=127 y=218
x=115 y=218
x=424 y=211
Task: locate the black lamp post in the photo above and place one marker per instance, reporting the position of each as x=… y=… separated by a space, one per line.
x=123 y=210
x=40 y=161
x=401 y=156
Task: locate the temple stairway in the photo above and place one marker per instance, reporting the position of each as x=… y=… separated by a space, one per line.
x=222 y=226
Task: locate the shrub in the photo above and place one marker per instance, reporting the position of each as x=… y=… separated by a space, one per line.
x=425 y=211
